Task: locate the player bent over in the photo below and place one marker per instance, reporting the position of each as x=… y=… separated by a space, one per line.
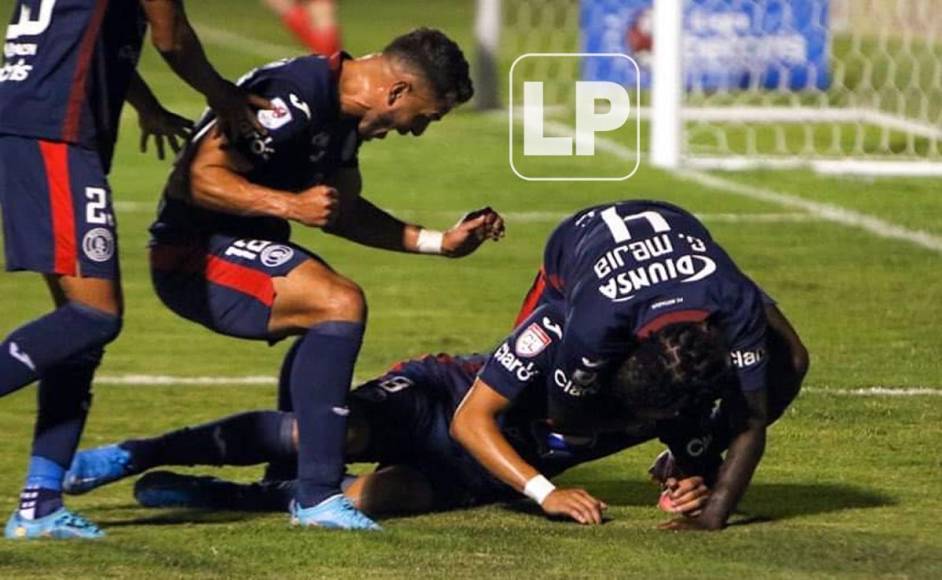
x=399 y=420
x=221 y=253
x=70 y=66
x=643 y=280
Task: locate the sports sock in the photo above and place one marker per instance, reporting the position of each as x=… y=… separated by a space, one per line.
x=320 y=380
x=35 y=347
x=42 y=493
x=243 y=439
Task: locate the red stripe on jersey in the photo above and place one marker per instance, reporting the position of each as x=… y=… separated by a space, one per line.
x=663 y=320
x=77 y=94
x=533 y=297
x=56 y=160
x=245 y=280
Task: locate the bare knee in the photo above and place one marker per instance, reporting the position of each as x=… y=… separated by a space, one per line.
x=314 y=295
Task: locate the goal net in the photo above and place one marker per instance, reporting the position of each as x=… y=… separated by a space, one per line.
x=841 y=85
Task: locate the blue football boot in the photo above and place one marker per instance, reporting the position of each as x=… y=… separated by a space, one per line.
x=164 y=489
x=60 y=524
x=334 y=512
x=92 y=468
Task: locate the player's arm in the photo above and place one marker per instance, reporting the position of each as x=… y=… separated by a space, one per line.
x=155 y=120
x=363 y=222
x=217 y=183
x=742 y=459
x=476 y=427
x=177 y=43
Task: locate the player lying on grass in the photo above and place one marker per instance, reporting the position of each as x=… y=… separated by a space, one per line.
x=221 y=253
x=399 y=420
x=644 y=279
x=70 y=66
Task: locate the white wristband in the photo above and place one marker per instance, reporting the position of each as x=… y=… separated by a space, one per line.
x=429 y=242
x=538 y=488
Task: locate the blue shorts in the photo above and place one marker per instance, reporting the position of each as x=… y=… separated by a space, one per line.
x=223 y=282
x=57 y=211
x=409 y=412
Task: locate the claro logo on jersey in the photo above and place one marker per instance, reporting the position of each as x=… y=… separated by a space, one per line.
x=508 y=360
x=746 y=358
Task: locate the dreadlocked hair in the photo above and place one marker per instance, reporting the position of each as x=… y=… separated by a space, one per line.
x=680 y=362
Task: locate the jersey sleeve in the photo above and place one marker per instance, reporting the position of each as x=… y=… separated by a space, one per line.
x=746 y=329
x=523 y=357
x=289 y=120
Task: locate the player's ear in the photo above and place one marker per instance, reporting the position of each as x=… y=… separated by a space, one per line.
x=398 y=90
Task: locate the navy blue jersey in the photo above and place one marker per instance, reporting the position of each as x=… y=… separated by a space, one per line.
x=308 y=141
x=622 y=271
x=66 y=70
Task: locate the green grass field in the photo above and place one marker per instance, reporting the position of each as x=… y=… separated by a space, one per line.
x=849 y=485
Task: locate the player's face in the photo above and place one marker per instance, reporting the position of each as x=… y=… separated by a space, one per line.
x=408 y=108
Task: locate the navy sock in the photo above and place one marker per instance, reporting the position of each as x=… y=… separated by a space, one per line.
x=285 y=469
x=243 y=439
x=45 y=342
x=320 y=380
x=42 y=493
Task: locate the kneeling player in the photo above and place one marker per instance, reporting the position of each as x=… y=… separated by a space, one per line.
x=401 y=421
x=645 y=280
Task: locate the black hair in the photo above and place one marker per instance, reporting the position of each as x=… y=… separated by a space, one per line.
x=682 y=363
x=439 y=59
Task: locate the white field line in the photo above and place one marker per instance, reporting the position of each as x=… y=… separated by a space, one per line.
x=535 y=216
x=266 y=381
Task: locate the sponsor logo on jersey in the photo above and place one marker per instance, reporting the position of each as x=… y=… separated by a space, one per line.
x=300 y=105
x=573 y=388
x=746 y=358
x=276 y=255
x=21 y=356
x=508 y=360
x=696 y=446
x=278 y=116
x=687 y=268
x=98 y=245
x=552 y=327
x=532 y=342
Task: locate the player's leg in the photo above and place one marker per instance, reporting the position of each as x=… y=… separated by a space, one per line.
x=329 y=312
x=57 y=221
x=243 y=439
x=788 y=362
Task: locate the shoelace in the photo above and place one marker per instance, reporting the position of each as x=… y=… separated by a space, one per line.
x=355 y=514
x=76 y=521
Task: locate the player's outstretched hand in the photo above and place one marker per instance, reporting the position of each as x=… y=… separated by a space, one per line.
x=236 y=111
x=161 y=124
x=317 y=207
x=684 y=496
x=471 y=231
x=576 y=504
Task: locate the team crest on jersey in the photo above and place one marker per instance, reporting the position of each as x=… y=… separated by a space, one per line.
x=278 y=116
x=532 y=342
x=276 y=255
x=98 y=245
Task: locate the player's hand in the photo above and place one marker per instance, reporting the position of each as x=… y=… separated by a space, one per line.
x=318 y=206
x=161 y=124
x=471 y=231
x=236 y=111
x=684 y=496
x=576 y=504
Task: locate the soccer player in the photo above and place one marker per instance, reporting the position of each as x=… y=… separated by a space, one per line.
x=69 y=66
x=400 y=421
x=221 y=253
x=644 y=279
x=313 y=22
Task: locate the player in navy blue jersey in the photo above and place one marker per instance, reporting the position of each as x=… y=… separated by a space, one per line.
x=221 y=254
x=69 y=66
x=399 y=420
x=654 y=310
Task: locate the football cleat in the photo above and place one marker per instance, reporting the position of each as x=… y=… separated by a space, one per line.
x=334 y=512
x=94 y=468
x=163 y=489
x=60 y=524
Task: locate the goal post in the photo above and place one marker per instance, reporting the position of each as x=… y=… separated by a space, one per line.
x=841 y=86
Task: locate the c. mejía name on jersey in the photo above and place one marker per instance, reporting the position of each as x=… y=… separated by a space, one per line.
x=690 y=267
